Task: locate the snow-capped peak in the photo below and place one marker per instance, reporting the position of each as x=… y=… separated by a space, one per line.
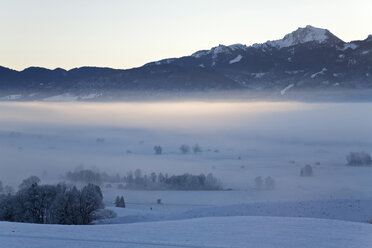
x=303 y=35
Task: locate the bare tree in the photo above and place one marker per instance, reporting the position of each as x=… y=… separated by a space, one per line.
x=196 y=149
x=306 y=171
x=158 y=150
x=185 y=149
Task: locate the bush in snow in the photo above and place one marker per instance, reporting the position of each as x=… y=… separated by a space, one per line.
x=359 y=159
x=196 y=149
x=158 y=150
x=259 y=183
x=119 y=202
x=306 y=171
x=105 y=214
x=185 y=149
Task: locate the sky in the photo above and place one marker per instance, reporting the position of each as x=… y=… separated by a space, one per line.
x=129 y=33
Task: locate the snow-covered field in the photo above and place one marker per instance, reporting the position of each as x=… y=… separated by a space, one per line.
x=204 y=232
x=240 y=141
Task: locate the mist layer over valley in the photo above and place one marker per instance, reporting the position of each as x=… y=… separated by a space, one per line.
x=239 y=141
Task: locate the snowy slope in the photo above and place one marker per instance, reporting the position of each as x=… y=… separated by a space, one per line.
x=303 y=35
x=254 y=232
x=338 y=209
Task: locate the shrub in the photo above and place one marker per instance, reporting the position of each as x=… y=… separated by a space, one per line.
x=306 y=171
x=158 y=150
x=185 y=149
x=196 y=149
x=259 y=183
x=105 y=214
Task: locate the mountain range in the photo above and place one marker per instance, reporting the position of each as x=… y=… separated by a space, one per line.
x=309 y=59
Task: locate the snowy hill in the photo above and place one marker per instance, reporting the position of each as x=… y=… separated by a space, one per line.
x=265 y=232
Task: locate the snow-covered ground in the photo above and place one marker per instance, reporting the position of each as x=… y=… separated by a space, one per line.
x=203 y=232
x=338 y=209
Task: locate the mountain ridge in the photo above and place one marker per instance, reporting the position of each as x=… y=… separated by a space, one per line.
x=306 y=58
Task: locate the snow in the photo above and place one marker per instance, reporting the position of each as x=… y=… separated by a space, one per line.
x=163 y=61
x=294 y=72
x=61 y=98
x=264 y=232
x=236 y=59
x=275 y=139
x=350 y=45
x=300 y=36
x=354 y=210
x=11 y=97
x=199 y=54
x=89 y=96
x=322 y=72
x=222 y=232
x=258 y=75
x=237 y=47
x=365 y=52
x=71 y=98
x=338 y=209
x=218 y=50
x=283 y=91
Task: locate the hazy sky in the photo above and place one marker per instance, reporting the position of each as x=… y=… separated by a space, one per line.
x=130 y=33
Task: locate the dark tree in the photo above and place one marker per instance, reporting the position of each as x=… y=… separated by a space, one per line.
x=196 y=149
x=158 y=150
x=185 y=149
x=90 y=200
x=306 y=171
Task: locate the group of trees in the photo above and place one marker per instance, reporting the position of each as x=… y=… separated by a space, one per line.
x=185 y=149
x=158 y=150
x=51 y=204
x=359 y=159
x=186 y=181
x=261 y=184
x=119 y=202
x=138 y=180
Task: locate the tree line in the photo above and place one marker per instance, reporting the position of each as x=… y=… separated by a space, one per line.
x=51 y=204
x=138 y=180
